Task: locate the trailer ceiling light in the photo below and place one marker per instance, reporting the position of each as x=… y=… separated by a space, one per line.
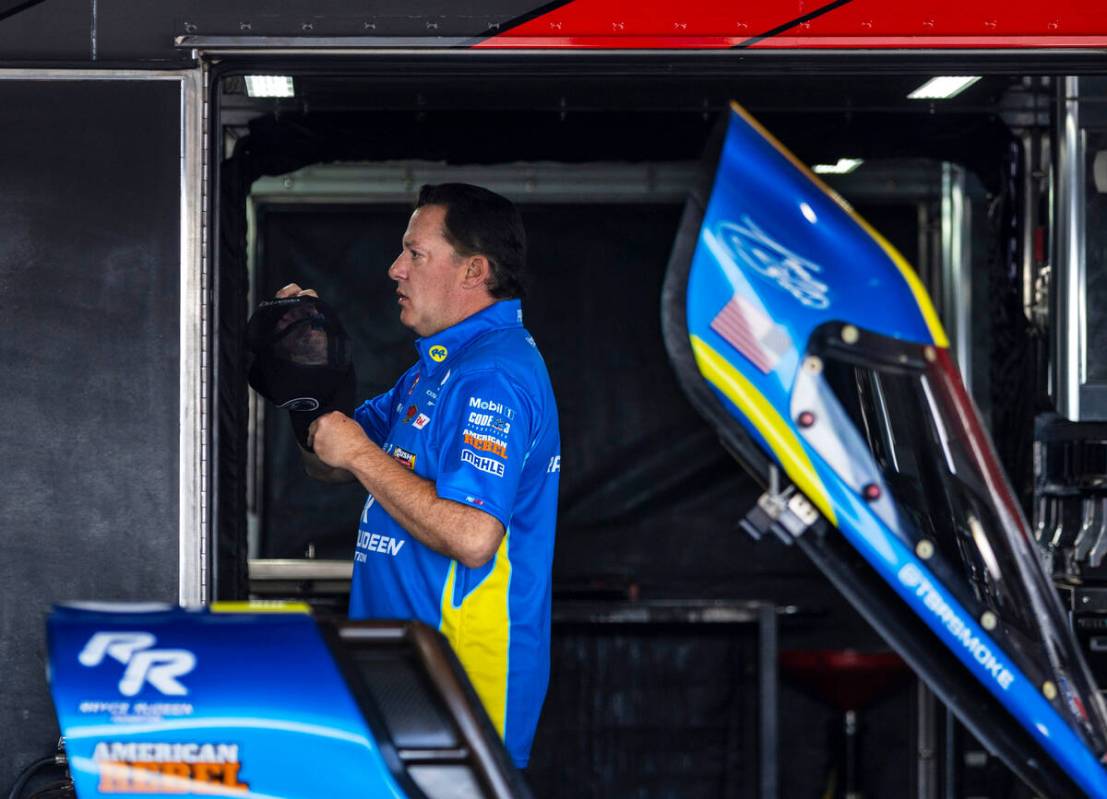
x=843 y=167
x=944 y=87
x=269 y=86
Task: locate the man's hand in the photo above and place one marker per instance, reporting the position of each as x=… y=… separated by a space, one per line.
x=338 y=441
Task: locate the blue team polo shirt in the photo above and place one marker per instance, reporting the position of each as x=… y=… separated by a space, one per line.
x=476 y=416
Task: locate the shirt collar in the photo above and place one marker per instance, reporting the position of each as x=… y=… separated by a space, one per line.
x=444 y=346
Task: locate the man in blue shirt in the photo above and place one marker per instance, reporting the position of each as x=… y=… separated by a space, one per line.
x=461 y=459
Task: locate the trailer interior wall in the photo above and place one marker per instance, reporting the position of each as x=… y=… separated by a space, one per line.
x=90 y=273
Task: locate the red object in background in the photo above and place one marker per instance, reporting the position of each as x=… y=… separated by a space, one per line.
x=845 y=679
x=795 y=24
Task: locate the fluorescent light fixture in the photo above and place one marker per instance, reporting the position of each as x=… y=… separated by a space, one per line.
x=269 y=86
x=843 y=167
x=944 y=87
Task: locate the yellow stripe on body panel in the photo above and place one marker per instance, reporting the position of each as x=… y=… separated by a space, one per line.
x=926 y=307
x=260 y=606
x=772 y=426
x=479 y=632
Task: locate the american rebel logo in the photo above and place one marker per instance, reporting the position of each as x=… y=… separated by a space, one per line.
x=159 y=668
x=485 y=443
x=142 y=767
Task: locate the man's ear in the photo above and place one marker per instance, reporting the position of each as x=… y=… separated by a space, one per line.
x=477 y=271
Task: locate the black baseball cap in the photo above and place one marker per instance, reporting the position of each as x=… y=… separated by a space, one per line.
x=301 y=359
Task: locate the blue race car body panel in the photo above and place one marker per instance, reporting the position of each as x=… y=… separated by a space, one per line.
x=786 y=281
x=166 y=701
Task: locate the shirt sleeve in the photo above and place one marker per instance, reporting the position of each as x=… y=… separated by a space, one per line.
x=484 y=434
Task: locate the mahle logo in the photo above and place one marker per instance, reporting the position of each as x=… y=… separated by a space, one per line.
x=158 y=667
x=438 y=353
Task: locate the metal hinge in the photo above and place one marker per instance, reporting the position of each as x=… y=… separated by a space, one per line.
x=786 y=513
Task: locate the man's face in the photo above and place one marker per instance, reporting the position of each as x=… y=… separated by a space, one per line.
x=428 y=274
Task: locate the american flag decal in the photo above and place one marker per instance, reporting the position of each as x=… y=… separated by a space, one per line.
x=751 y=332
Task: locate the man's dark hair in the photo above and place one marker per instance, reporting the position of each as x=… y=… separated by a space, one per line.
x=481 y=222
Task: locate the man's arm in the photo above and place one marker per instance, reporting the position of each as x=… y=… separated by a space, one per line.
x=465 y=534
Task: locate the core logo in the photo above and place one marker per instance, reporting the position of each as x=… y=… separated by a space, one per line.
x=485 y=464
x=158 y=667
x=489 y=420
x=438 y=353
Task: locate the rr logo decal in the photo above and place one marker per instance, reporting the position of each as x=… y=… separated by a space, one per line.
x=158 y=667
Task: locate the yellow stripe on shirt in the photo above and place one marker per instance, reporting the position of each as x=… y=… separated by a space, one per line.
x=479 y=632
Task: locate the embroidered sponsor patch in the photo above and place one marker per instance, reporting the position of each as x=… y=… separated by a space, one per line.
x=410 y=414
x=438 y=353
x=491 y=406
x=489 y=420
x=486 y=443
x=402 y=456
x=420 y=421
x=482 y=462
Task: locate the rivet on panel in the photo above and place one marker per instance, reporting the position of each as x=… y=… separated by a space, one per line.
x=850 y=334
x=930 y=354
x=1049 y=690
x=813 y=364
x=924 y=549
x=988 y=620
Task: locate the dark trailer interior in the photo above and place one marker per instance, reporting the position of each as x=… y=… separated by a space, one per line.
x=689 y=659
x=317 y=189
